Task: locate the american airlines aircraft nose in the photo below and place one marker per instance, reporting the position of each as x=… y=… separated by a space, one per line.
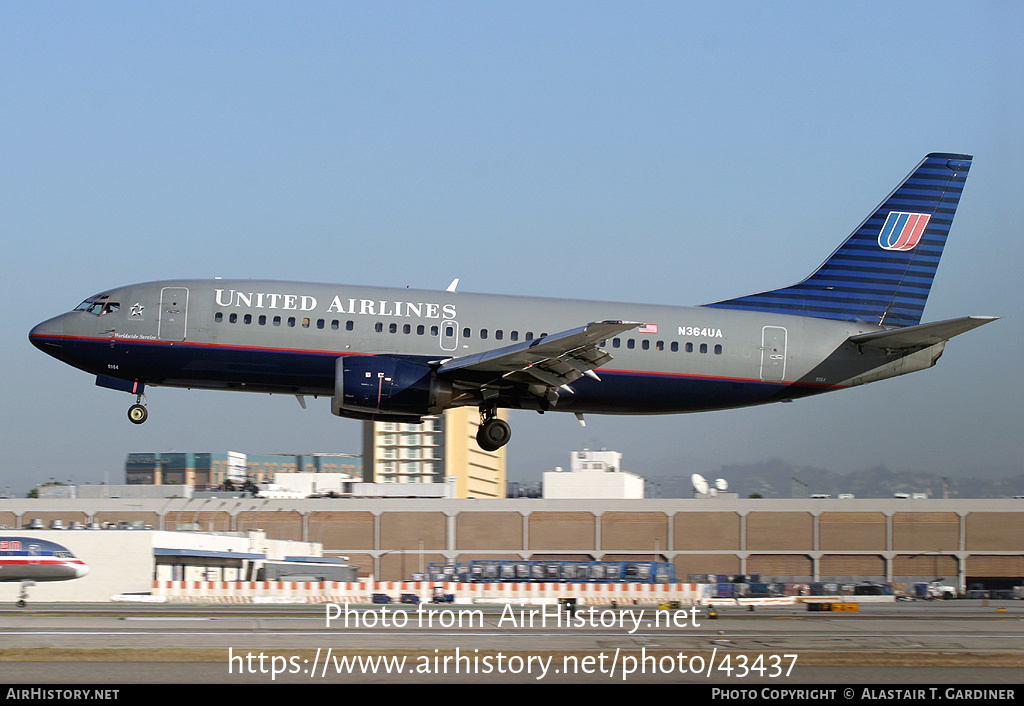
x=81 y=570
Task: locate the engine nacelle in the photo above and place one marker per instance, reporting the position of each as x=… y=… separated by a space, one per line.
x=384 y=388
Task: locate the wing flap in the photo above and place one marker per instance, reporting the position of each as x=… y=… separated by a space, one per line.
x=552 y=361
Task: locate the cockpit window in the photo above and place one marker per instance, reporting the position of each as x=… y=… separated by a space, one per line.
x=98 y=305
x=84 y=306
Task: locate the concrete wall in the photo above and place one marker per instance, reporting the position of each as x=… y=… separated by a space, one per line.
x=807 y=540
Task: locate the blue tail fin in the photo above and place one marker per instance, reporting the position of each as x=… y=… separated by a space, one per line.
x=884 y=270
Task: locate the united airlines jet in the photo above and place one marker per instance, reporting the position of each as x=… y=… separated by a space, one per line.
x=399 y=354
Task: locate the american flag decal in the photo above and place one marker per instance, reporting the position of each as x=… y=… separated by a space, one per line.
x=902 y=231
x=649 y=328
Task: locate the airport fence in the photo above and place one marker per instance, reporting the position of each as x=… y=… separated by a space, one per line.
x=425 y=591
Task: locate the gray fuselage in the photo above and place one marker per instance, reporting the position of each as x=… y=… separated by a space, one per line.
x=284 y=337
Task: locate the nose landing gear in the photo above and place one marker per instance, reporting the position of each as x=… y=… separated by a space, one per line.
x=138 y=413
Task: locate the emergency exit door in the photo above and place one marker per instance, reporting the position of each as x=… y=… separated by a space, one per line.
x=773 y=353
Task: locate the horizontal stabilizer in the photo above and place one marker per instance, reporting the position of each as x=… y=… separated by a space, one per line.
x=921 y=335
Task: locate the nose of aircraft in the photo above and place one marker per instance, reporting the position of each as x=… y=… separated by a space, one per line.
x=46 y=336
x=81 y=570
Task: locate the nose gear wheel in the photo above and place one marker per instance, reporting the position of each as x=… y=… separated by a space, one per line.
x=138 y=413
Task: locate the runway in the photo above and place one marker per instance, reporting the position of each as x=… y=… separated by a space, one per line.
x=952 y=642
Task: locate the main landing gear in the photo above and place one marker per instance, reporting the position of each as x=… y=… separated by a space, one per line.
x=493 y=432
x=138 y=413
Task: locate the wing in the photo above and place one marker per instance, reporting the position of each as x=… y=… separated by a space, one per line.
x=540 y=366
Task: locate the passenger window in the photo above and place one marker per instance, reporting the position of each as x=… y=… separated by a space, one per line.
x=218 y=317
x=248 y=318
x=718 y=350
x=616 y=343
x=499 y=334
x=393 y=328
x=529 y=336
x=291 y=321
x=675 y=346
x=703 y=348
x=645 y=344
x=407 y=329
x=320 y=323
x=630 y=343
x=305 y=322
x=378 y=327
x=420 y=330
x=689 y=348
x=660 y=345
x=465 y=333
x=348 y=325
x=433 y=330
x=514 y=335
x=233 y=319
x=277 y=321
x=263 y=320
x=483 y=333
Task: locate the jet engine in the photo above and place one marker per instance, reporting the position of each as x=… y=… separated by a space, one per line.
x=386 y=388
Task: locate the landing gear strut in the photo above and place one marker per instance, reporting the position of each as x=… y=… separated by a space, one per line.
x=23 y=595
x=138 y=413
x=493 y=432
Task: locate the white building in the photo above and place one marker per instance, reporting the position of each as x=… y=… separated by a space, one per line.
x=302 y=485
x=603 y=460
x=593 y=474
x=129 y=561
x=306 y=485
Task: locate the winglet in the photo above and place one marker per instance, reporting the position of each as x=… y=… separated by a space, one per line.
x=451 y=287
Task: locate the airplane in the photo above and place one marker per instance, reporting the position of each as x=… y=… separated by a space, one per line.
x=29 y=559
x=400 y=354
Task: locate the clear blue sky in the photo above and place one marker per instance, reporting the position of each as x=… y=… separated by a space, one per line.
x=658 y=152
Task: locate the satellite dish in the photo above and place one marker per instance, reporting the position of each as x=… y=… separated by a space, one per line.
x=721 y=484
x=700 y=485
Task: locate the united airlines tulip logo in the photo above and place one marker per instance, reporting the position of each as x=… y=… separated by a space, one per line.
x=902 y=231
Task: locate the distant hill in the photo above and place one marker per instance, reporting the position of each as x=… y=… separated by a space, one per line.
x=774 y=479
